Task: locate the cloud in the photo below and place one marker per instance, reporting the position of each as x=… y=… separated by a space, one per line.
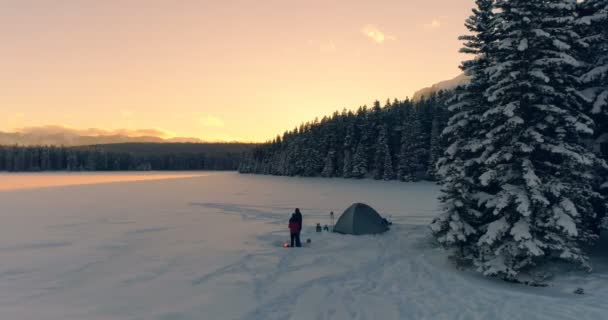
x=211 y=121
x=435 y=24
x=376 y=34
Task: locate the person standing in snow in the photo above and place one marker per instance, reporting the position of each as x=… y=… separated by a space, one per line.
x=294 y=231
x=298 y=215
x=298 y=218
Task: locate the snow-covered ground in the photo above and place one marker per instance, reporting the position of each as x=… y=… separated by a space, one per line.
x=209 y=247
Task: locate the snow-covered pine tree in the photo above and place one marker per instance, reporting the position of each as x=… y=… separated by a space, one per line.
x=458 y=227
x=594 y=22
x=327 y=132
x=420 y=145
x=289 y=159
x=315 y=143
x=372 y=125
x=361 y=157
x=378 y=163
x=593 y=26
x=313 y=163
x=91 y=161
x=347 y=169
x=413 y=146
x=404 y=158
x=72 y=161
x=522 y=192
x=360 y=162
x=388 y=172
x=382 y=160
x=45 y=159
x=436 y=147
x=294 y=153
x=329 y=166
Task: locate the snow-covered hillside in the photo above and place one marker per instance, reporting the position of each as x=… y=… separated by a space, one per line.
x=210 y=248
x=443 y=85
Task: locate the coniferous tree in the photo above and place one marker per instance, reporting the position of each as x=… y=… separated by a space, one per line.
x=593 y=23
x=347 y=169
x=72 y=161
x=412 y=147
x=360 y=162
x=403 y=167
x=436 y=146
x=381 y=154
x=387 y=171
x=45 y=159
x=329 y=167
x=364 y=153
x=420 y=145
x=457 y=227
x=373 y=124
x=517 y=184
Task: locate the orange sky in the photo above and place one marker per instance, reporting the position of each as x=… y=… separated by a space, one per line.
x=216 y=70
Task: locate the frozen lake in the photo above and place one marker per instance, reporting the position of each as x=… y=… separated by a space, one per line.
x=207 y=246
x=16 y=181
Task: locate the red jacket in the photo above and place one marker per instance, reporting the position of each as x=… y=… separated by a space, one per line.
x=294 y=227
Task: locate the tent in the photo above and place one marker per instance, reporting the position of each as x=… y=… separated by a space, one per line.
x=360 y=219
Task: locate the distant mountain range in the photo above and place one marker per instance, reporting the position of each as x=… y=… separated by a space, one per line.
x=62 y=136
x=443 y=85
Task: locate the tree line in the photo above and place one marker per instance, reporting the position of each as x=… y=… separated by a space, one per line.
x=399 y=140
x=118 y=157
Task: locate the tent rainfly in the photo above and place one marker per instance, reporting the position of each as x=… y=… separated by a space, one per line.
x=360 y=219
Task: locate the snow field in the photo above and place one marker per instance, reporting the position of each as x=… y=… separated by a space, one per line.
x=210 y=248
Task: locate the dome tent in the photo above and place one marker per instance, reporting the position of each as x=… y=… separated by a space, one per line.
x=360 y=219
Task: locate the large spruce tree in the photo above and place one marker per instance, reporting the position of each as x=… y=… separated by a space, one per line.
x=458 y=226
x=403 y=159
x=594 y=23
x=593 y=26
x=382 y=161
x=360 y=162
x=518 y=178
x=347 y=167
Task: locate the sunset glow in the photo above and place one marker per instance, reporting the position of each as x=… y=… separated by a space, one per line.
x=216 y=70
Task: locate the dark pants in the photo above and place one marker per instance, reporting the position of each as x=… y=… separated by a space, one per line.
x=295 y=237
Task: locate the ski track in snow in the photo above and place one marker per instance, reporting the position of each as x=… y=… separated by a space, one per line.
x=210 y=248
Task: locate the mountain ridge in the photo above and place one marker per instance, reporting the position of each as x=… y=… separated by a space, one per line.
x=64 y=136
x=439 y=86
